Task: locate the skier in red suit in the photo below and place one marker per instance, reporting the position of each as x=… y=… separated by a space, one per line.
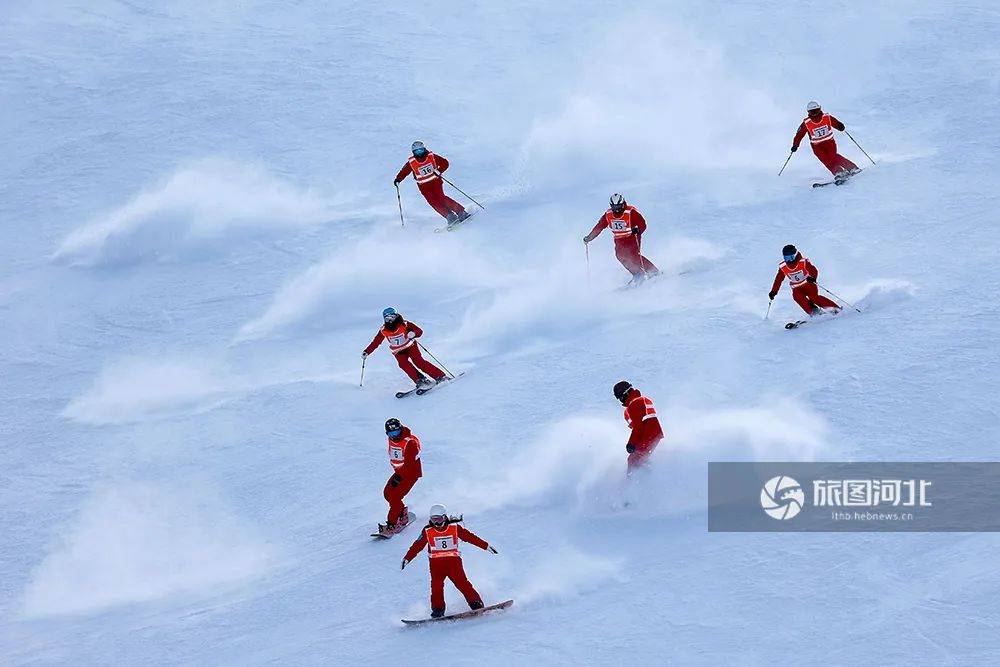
x=402 y=337
x=441 y=537
x=627 y=227
x=404 y=457
x=640 y=415
x=427 y=168
x=802 y=276
x=820 y=126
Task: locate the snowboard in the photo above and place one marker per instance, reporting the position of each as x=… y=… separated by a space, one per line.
x=464 y=614
x=423 y=390
x=452 y=226
x=381 y=535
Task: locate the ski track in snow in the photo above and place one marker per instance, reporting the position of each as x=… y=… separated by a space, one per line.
x=201 y=234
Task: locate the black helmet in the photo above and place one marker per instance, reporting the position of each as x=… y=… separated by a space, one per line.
x=393 y=427
x=789 y=252
x=617 y=203
x=622 y=389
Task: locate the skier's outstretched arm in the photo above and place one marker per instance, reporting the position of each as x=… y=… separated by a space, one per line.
x=778 y=279
x=837 y=124
x=470 y=537
x=441 y=163
x=403 y=173
x=415 y=548
x=596 y=231
x=376 y=341
x=799 y=133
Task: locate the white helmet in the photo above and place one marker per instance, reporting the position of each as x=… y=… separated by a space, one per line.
x=417 y=145
x=812 y=106
x=438 y=510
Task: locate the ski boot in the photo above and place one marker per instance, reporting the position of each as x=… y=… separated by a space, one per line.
x=476 y=604
x=437 y=613
x=442 y=380
x=423 y=383
x=463 y=216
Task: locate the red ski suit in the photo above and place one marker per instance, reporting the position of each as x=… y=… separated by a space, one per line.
x=804 y=292
x=640 y=415
x=627 y=242
x=402 y=337
x=823 y=144
x=404 y=456
x=446 y=561
x=425 y=172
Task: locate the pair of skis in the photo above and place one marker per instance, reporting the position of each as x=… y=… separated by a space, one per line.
x=423 y=389
x=452 y=226
x=837 y=180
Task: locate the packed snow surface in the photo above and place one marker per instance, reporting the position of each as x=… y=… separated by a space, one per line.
x=199 y=232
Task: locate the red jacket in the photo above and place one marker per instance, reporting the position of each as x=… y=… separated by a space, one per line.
x=411 y=468
x=778 y=279
x=439 y=160
x=801 y=132
x=641 y=417
x=605 y=220
x=463 y=535
x=381 y=335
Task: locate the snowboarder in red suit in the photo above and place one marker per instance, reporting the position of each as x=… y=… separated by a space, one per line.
x=640 y=415
x=802 y=276
x=441 y=537
x=402 y=337
x=627 y=227
x=404 y=457
x=820 y=126
x=427 y=168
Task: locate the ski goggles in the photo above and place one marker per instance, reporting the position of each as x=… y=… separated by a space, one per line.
x=420 y=152
x=789 y=258
x=394 y=433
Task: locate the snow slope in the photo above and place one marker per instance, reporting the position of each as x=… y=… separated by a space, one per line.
x=199 y=232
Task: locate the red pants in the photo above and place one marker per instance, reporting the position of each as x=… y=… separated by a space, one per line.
x=410 y=360
x=827 y=153
x=640 y=457
x=433 y=192
x=627 y=252
x=808 y=295
x=450 y=567
x=394 y=496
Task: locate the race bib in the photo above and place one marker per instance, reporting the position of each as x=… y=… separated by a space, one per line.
x=446 y=543
x=397 y=341
x=396 y=453
x=797 y=277
x=426 y=170
x=821 y=131
x=617 y=225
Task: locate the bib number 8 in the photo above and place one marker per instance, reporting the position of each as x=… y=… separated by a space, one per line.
x=445 y=543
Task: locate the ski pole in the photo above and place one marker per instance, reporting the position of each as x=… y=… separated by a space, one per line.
x=363 y=360
x=400 y=202
x=421 y=346
x=460 y=190
x=841 y=299
x=786 y=162
x=859 y=146
x=586 y=249
x=768 y=308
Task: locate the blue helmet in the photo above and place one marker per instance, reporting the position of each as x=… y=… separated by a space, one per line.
x=389 y=313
